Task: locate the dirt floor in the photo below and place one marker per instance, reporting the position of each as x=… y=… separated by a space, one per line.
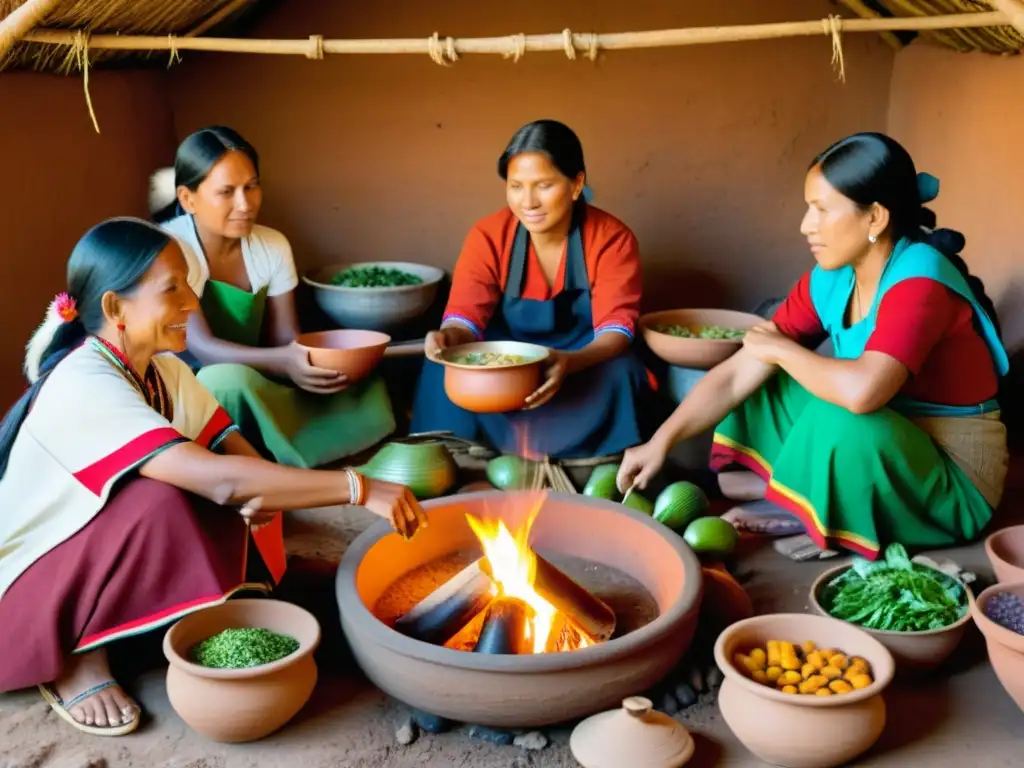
x=959 y=716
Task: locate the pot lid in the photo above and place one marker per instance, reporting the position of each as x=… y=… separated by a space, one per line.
x=635 y=735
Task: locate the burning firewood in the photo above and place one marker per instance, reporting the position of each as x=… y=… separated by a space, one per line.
x=443 y=613
x=506 y=628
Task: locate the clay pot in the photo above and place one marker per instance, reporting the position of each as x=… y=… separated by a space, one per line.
x=1005 y=647
x=428 y=469
x=530 y=690
x=793 y=730
x=493 y=390
x=1005 y=550
x=698 y=354
x=634 y=734
x=238 y=705
x=915 y=652
x=354 y=353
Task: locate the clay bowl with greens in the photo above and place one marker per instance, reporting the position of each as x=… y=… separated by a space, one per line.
x=241 y=670
x=374 y=295
x=919 y=613
x=696 y=338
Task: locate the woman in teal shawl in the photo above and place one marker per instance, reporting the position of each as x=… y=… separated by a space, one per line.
x=896 y=436
x=242 y=339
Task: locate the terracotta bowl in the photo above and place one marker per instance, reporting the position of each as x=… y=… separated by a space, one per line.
x=237 y=705
x=700 y=354
x=799 y=731
x=514 y=691
x=354 y=353
x=377 y=309
x=914 y=652
x=1005 y=550
x=1005 y=647
x=493 y=390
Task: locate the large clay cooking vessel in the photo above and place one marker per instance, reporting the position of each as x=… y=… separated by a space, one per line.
x=914 y=652
x=237 y=705
x=797 y=731
x=1005 y=647
x=354 y=353
x=526 y=690
x=1005 y=550
x=497 y=389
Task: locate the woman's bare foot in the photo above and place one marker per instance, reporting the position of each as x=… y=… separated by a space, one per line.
x=742 y=486
x=108 y=707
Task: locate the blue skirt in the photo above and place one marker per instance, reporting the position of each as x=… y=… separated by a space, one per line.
x=596 y=413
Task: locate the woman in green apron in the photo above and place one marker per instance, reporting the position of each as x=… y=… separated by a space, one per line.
x=895 y=437
x=242 y=341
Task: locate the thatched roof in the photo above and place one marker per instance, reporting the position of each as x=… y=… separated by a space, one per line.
x=124 y=17
x=226 y=18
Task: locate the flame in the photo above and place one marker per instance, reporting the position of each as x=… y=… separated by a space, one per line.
x=513 y=567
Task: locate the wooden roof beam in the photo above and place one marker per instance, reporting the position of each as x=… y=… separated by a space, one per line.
x=23 y=20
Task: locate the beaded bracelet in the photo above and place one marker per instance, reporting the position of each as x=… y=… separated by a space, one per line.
x=356 y=488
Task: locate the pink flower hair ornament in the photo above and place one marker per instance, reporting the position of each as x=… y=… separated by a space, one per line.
x=64 y=307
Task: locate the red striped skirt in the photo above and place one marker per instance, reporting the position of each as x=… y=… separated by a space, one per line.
x=152 y=555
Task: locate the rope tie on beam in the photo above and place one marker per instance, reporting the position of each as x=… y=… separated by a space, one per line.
x=517 y=47
x=316 y=48
x=592 y=47
x=568 y=44
x=80 y=52
x=444 y=55
x=833 y=27
x=174 y=57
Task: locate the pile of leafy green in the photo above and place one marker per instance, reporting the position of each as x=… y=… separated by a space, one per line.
x=895 y=594
x=374 y=277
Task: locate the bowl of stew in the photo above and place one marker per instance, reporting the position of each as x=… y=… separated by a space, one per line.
x=492 y=376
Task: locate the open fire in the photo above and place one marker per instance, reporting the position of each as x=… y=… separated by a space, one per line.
x=511 y=600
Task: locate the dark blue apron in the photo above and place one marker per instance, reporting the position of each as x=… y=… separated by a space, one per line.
x=594 y=413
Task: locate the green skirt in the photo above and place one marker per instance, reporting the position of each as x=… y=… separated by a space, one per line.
x=861 y=481
x=298 y=428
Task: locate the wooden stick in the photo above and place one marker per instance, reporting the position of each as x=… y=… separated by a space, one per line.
x=1013 y=10
x=509 y=44
x=858 y=7
x=21 y=20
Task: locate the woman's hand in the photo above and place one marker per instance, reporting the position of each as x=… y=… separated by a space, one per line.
x=555 y=370
x=395 y=503
x=254 y=514
x=305 y=375
x=640 y=464
x=436 y=342
x=767 y=343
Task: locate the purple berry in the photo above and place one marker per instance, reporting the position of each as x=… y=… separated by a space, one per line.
x=1006 y=610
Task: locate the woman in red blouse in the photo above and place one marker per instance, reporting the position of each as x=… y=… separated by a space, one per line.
x=553 y=270
x=896 y=436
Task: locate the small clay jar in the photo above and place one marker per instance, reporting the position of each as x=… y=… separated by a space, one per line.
x=636 y=734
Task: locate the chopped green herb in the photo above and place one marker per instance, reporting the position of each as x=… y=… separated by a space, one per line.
x=895 y=594
x=240 y=648
x=705 y=332
x=374 y=277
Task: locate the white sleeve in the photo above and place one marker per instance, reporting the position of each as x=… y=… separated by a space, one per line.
x=182 y=231
x=273 y=253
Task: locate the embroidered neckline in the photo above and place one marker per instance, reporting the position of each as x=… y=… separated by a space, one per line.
x=151 y=386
